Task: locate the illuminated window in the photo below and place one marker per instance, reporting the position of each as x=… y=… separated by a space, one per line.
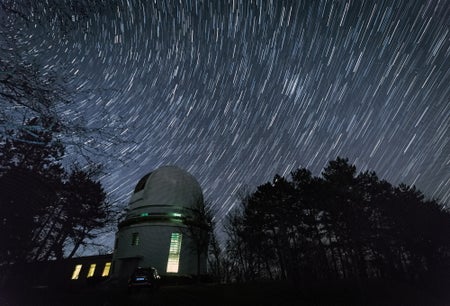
x=76 y=272
x=144 y=215
x=106 y=269
x=135 y=239
x=91 y=270
x=174 y=253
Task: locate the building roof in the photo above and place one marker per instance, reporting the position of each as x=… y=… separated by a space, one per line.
x=168 y=186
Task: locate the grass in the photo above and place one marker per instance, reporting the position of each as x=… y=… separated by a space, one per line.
x=254 y=294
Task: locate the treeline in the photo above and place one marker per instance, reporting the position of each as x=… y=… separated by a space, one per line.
x=46 y=211
x=342 y=225
x=48 y=208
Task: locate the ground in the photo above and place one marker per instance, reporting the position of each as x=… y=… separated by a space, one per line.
x=267 y=293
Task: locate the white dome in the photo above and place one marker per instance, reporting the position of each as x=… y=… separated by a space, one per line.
x=171 y=186
x=151 y=233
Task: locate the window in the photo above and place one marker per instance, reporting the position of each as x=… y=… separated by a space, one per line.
x=141 y=184
x=76 y=271
x=174 y=253
x=106 y=269
x=135 y=239
x=91 y=270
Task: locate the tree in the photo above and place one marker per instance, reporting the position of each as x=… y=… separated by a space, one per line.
x=30 y=88
x=215 y=258
x=347 y=214
x=29 y=177
x=61 y=15
x=340 y=225
x=88 y=207
x=198 y=227
x=27 y=90
x=45 y=209
x=82 y=210
x=24 y=195
x=239 y=257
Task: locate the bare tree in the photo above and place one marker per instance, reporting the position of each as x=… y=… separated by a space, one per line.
x=198 y=227
x=215 y=257
x=30 y=87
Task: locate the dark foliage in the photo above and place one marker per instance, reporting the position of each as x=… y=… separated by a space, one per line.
x=45 y=210
x=342 y=225
x=198 y=227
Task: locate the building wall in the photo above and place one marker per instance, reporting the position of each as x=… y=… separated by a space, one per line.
x=162 y=200
x=56 y=273
x=152 y=250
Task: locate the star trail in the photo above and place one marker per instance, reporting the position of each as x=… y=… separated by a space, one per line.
x=237 y=91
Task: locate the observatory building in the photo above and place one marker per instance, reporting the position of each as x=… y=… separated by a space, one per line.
x=153 y=232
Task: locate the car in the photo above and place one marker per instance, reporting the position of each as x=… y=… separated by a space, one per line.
x=144 y=278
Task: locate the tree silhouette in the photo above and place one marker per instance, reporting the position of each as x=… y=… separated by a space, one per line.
x=29 y=88
x=198 y=226
x=341 y=225
x=44 y=208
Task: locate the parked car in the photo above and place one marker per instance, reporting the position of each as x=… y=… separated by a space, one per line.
x=144 y=278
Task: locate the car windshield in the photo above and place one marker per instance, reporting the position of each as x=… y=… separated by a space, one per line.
x=142 y=272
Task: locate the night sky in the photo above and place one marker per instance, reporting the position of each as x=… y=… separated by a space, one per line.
x=237 y=91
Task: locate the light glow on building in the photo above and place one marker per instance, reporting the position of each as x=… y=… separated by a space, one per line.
x=174 y=253
x=91 y=270
x=106 y=269
x=76 y=271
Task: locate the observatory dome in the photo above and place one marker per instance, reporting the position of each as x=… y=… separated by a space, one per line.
x=152 y=234
x=167 y=186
